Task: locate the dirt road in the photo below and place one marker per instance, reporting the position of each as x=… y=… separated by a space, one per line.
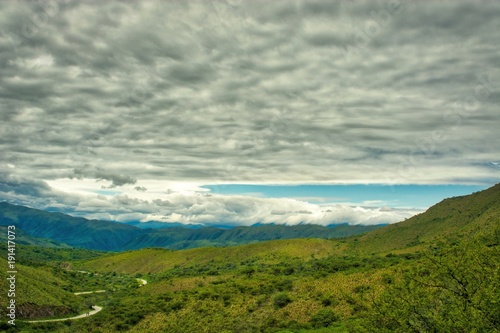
x=90 y=313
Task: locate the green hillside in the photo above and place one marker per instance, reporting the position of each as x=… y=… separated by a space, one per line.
x=466 y=215
x=34 y=250
x=445 y=260
x=39 y=293
x=47 y=291
x=26 y=239
x=158 y=260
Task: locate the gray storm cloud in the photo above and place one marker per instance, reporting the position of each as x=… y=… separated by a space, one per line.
x=221 y=91
x=100 y=175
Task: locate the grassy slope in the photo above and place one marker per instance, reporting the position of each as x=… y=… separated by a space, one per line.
x=32 y=250
x=38 y=291
x=470 y=214
x=212 y=305
x=158 y=260
x=193 y=299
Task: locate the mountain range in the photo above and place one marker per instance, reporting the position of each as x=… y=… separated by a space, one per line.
x=113 y=236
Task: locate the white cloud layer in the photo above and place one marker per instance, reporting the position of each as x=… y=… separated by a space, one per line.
x=188 y=204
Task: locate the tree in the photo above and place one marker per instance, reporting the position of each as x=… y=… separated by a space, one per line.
x=455 y=288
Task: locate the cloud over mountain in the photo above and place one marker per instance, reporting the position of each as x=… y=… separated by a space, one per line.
x=193 y=207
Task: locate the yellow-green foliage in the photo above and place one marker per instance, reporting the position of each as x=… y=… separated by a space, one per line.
x=158 y=260
x=38 y=293
x=38 y=286
x=234 y=304
x=153 y=323
x=453 y=288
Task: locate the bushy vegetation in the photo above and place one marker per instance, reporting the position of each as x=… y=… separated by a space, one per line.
x=455 y=287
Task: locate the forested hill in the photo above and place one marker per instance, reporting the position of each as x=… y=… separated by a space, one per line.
x=74 y=231
x=184 y=238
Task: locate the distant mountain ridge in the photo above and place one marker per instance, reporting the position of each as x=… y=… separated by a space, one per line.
x=114 y=236
x=184 y=238
x=161 y=225
x=23 y=238
x=74 y=231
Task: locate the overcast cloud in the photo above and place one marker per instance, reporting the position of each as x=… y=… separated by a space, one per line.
x=133 y=97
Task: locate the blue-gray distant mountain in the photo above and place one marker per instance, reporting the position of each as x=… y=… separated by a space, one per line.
x=74 y=231
x=114 y=236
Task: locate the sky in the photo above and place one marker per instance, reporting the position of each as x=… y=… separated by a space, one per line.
x=242 y=112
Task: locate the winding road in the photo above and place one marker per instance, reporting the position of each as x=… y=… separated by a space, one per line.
x=91 y=313
x=95 y=308
x=87 y=314
x=89 y=292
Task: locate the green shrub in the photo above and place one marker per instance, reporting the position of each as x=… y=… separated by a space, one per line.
x=328 y=301
x=387 y=279
x=175 y=306
x=281 y=300
x=323 y=318
x=361 y=289
x=284 y=285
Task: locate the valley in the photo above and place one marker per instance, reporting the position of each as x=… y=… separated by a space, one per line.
x=392 y=279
